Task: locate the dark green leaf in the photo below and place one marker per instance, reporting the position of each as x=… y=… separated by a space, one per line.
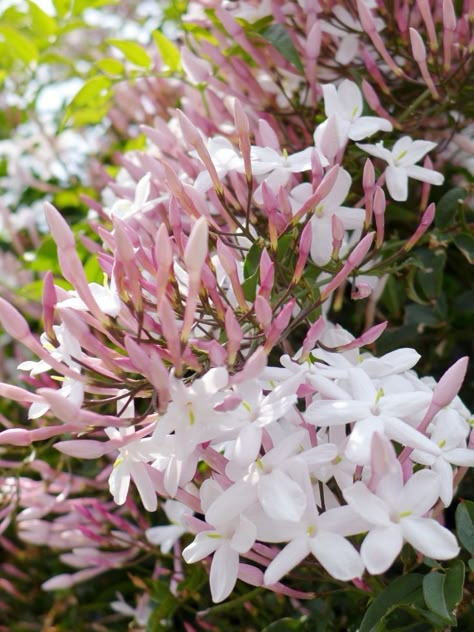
x=465 y=243
x=249 y=287
x=448 y=206
x=465 y=525
x=252 y=260
x=433 y=592
x=286 y=624
x=403 y=590
x=454 y=584
x=278 y=35
x=429 y=277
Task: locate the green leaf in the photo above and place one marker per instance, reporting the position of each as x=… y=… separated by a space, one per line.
x=41 y=23
x=433 y=592
x=91 y=103
x=448 y=206
x=287 y=624
x=132 y=51
x=429 y=277
x=169 y=52
x=111 y=66
x=20 y=46
x=252 y=260
x=278 y=35
x=465 y=243
x=403 y=590
x=471 y=564
x=464 y=518
x=454 y=584
x=249 y=287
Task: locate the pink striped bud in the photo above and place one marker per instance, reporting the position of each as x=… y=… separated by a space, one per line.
x=234 y=335
x=374 y=103
x=197 y=248
x=304 y=248
x=419 y=54
x=170 y=331
x=450 y=383
x=267 y=135
x=367 y=338
x=449 y=24
x=354 y=259
x=312 y=336
x=227 y=259
x=243 y=130
x=15 y=436
x=279 y=325
x=321 y=192
x=267 y=274
x=379 y=214
x=13 y=322
x=49 y=303
x=424 y=6
x=252 y=368
x=426 y=221
x=338 y=233
x=263 y=312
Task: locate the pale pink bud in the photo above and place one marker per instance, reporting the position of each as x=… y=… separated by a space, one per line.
x=368 y=177
x=196 y=249
x=15 y=436
x=314 y=332
x=313 y=41
x=267 y=274
x=13 y=322
x=268 y=138
x=450 y=383
x=360 y=291
x=49 y=303
x=170 y=331
x=234 y=335
x=337 y=236
x=383 y=459
x=368 y=25
x=263 y=312
x=426 y=221
x=424 y=7
x=379 y=206
x=17 y=394
x=196 y=68
x=417 y=46
x=355 y=258
x=304 y=248
x=367 y=338
x=374 y=102
x=243 y=130
x=279 y=324
x=62 y=234
x=84 y=448
x=321 y=192
x=449 y=15
x=252 y=368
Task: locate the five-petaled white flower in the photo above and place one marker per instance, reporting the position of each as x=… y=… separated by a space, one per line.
x=402 y=159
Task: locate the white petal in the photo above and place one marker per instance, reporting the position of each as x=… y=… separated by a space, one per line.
x=244 y=536
x=380 y=548
x=414 y=152
x=325 y=413
x=424 y=175
x=286 y=560
x=460 y=456
x=420 y=492
x=144 y=485
x=321 y=243
x=203 y=545
x=281 y=497
x=231 y=503
x=337 y=555
x=247 y=445
x=365 y=126
x=224 y=571
x=367 y=505
x=430 y=538
x=119 y=482
x=397 y=183
x=350 y=98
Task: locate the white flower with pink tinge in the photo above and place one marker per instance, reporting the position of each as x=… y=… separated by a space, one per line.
x=402 y=159
x=397 y=513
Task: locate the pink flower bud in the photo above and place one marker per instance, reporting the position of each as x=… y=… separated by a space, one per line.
x=196 y=249
x=13 y=322
x=424 y=7
x=252 y=368
x=62 y=234
x=313 y=335
x=234 y=335
x=450 y=383
x=263 y=312
x=338 y=233
x=15 y=436
x=279 y=324
x=379 y=206
x=84 y=448
x=304 y=248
